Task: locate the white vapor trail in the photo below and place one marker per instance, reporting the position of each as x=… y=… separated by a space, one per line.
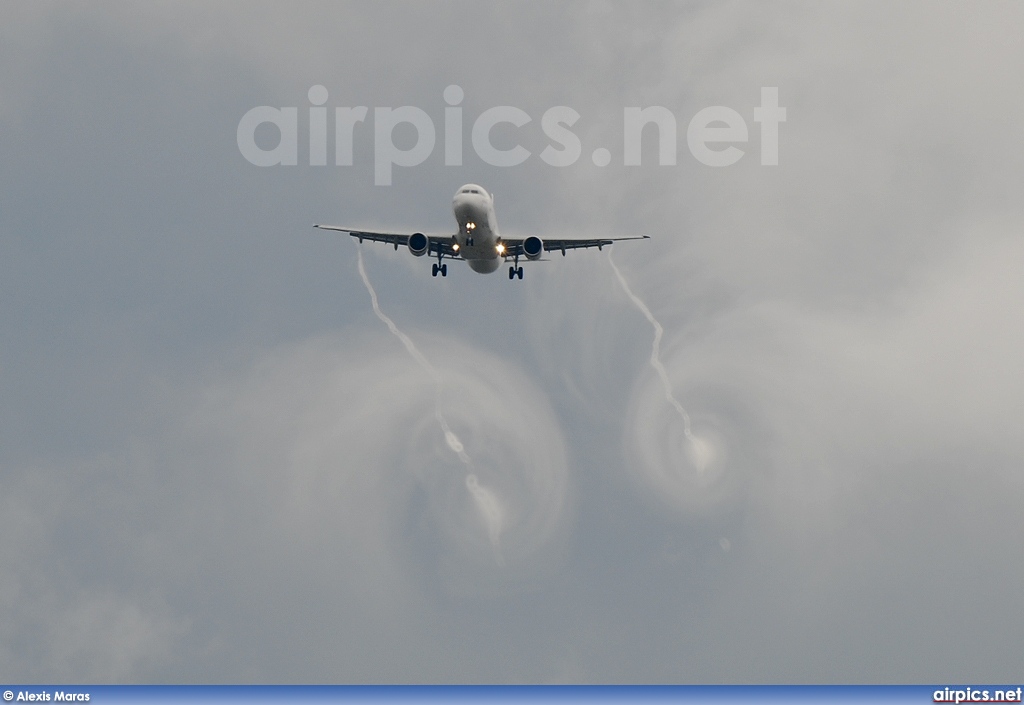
x=406 y=340
x=449 y=436
x=700 y=452
x=490 y=510
x=487 y=504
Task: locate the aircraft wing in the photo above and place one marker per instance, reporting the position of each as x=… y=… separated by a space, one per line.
x=442 y=243
x=514 y=246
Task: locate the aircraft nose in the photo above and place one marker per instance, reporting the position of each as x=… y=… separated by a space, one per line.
x=462 y=202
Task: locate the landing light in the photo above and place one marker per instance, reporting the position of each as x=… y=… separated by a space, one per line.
x=501 y=249
x=470 y=226
x=455 y=247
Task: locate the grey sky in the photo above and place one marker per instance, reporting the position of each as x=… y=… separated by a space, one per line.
x=216 y=465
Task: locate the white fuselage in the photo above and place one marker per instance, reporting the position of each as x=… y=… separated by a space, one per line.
x=477 y=237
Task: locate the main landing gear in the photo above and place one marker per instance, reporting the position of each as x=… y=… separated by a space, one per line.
x=438 y=266
x=515 y=270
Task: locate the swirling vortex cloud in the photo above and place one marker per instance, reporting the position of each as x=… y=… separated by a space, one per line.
x=352 y=431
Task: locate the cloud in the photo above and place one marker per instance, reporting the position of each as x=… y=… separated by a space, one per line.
x=323 y=463
x=77 y=540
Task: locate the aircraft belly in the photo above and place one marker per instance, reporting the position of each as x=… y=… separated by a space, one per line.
x=484 y=266
x=482 y=255
x=480 y=245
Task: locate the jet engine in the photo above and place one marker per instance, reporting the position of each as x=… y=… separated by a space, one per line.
x=418 y=244
x=533 y=247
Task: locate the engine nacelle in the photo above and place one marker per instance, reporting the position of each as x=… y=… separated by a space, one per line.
x=533 y=247
x=418 y=244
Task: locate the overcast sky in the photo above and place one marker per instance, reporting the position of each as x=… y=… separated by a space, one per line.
x=217 y=465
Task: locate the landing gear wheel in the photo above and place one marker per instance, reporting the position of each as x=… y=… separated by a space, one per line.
x=511 y=273
x=520 y=273
x=433 y=270
x=444 y=270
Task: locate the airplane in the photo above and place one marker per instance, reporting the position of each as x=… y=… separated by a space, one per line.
x=477 y=241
